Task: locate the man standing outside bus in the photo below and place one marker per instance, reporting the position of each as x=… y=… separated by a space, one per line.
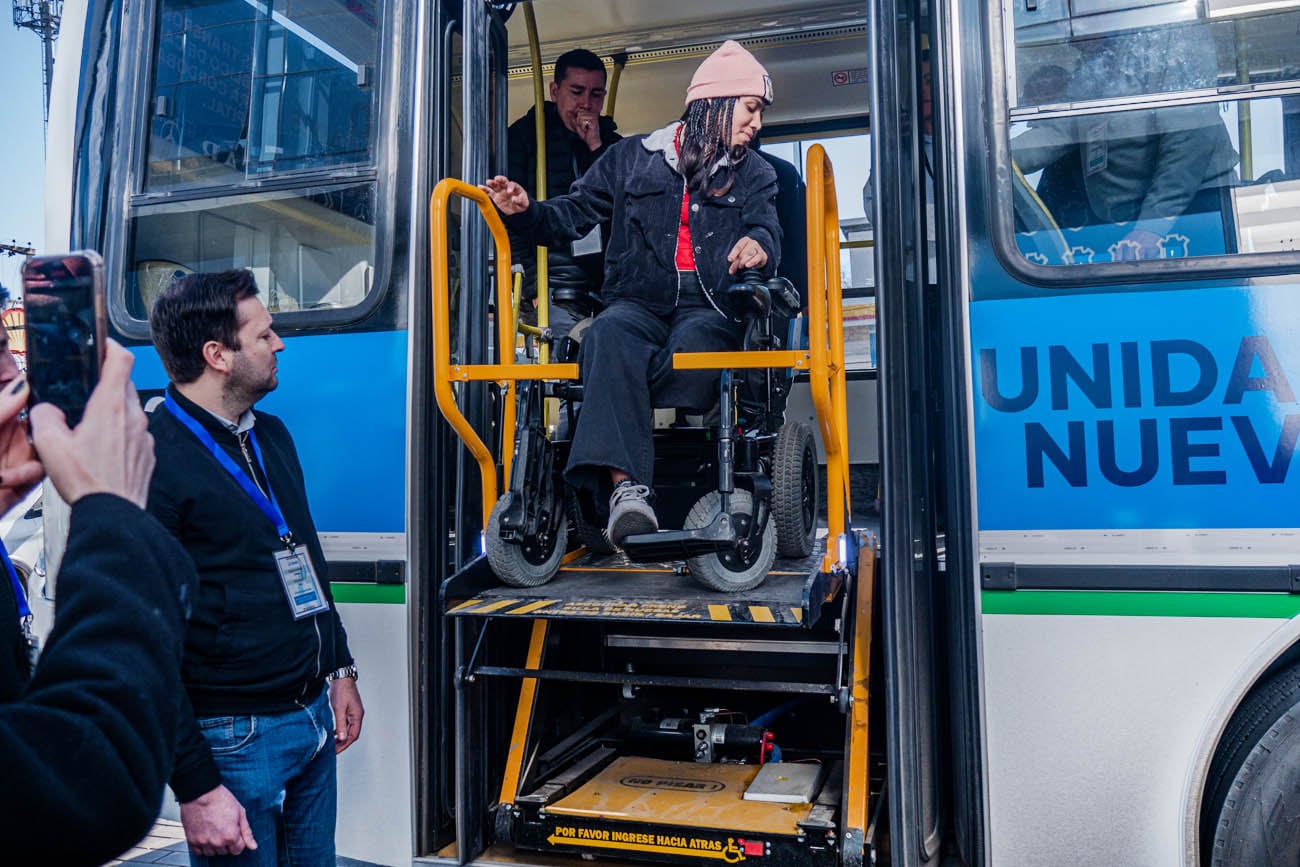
x=271 y=684
x=576 y=135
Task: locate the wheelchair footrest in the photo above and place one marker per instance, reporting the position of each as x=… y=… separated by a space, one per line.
x=720 y=535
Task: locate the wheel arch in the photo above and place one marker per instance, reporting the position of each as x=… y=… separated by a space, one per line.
x=1279 y=650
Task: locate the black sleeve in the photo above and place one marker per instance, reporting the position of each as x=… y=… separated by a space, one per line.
x=759 y=216
x=84 y=753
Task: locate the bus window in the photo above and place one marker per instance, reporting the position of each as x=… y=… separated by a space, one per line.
x=1124 y=147
x=255 y=110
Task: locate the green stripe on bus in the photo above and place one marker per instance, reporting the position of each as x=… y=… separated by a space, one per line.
x=384 y=594
x=1140 y=603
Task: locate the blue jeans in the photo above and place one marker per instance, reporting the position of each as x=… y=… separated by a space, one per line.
x=281 y=768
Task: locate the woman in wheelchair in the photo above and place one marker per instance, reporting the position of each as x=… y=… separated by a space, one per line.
x=687 y=210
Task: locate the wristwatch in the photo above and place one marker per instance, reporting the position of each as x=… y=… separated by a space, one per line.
x=345 y=671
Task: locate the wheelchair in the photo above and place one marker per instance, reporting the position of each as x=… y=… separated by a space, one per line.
x=736 y=488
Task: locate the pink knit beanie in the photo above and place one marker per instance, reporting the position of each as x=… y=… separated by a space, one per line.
x=730 y=71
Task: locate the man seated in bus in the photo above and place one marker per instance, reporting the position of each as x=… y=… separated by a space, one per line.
x=1142 y=170
x=691 y=207
x=576 y=135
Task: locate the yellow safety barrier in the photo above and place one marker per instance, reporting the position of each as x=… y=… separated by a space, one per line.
x=505 y=370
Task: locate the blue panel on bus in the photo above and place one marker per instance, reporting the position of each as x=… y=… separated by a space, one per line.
x=343 y=397
x=1132 y=410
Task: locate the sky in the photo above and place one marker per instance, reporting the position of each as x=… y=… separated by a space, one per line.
x=22 y=146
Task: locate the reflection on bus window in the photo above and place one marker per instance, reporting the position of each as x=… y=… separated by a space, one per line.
x=242 y=88
x=1098 y=176
x=309 y=248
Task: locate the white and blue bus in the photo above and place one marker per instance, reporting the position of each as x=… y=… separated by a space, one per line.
x=1074 y=288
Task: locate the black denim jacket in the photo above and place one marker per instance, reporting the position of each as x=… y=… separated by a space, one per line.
x=635 y=187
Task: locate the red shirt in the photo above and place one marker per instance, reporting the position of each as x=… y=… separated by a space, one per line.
x=685 y=252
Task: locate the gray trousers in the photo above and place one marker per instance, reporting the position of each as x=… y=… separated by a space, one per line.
x=626 y=361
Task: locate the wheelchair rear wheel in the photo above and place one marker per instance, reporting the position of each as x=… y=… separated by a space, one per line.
x=731 y=571
x=794 y=490
x=529 y=563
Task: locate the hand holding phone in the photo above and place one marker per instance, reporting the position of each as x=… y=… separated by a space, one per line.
x=66 y=323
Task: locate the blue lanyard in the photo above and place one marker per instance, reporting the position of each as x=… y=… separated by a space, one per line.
x=270 y=508
x=20 y=594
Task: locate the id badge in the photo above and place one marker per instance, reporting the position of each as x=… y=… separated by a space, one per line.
x=588 y=244
x=301 y=585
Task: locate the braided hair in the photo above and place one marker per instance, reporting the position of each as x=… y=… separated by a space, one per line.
x=706 y=139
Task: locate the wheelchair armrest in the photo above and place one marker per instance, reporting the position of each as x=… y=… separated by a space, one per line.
x=784 y=297
x=750 y=299
x=580 y=302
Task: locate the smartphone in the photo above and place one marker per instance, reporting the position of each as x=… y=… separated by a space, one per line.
x=66 y=324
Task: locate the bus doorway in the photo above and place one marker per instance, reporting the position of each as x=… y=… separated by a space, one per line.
x=608 y=706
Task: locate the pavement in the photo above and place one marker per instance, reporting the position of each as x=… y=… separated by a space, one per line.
x=165 y=844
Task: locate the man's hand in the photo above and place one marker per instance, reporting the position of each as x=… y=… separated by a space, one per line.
x=19 y=467
x=346 y=702
x=216 y=824
x=111 y=450
x=589 y=129
x=509 y=197
x=747 y=253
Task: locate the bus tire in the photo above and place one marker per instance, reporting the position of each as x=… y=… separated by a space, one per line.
x=526 y=564
x=1252 y=807
x=794 y=490
x=730 y=571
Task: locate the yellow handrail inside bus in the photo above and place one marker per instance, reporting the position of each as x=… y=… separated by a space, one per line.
x=539 y=128
x=826 y=340
x=824 y=359
x=504 y=370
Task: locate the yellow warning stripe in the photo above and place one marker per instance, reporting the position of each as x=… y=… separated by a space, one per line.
x=573 y=555
x=462 y=606
x=798 y=614
x=730 y=855
x=495 y=606
x=533 y=606
x=761 y=614
x=719 y=612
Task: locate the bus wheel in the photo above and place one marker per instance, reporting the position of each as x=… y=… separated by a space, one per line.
x=794 y=490
x=730 y=571
x=527 y=563
x=1252 y=805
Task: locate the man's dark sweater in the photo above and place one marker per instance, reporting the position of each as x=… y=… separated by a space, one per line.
x=86 y=748
x=567 y=158
x=244 y=652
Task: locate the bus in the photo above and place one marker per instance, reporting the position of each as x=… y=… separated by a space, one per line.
x=1069 y=307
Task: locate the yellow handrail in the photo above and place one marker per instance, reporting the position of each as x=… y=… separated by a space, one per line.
x=505 y=369
x=826 y=340
x=539 y=186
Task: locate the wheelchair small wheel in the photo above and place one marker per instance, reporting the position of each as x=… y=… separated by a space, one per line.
x=731 y=571
x=794 y=490
x=590 y=535
x=527 y=564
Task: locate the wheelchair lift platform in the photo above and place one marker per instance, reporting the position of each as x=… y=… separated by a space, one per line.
x=610 y=587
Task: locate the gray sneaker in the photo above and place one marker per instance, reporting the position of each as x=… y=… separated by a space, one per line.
x=629 y=512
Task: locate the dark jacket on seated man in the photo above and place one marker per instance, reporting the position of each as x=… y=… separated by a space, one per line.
x=567 y=158
x=86 y=747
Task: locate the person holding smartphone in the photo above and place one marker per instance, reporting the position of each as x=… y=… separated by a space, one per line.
x=270 y=681
x=86 y=745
